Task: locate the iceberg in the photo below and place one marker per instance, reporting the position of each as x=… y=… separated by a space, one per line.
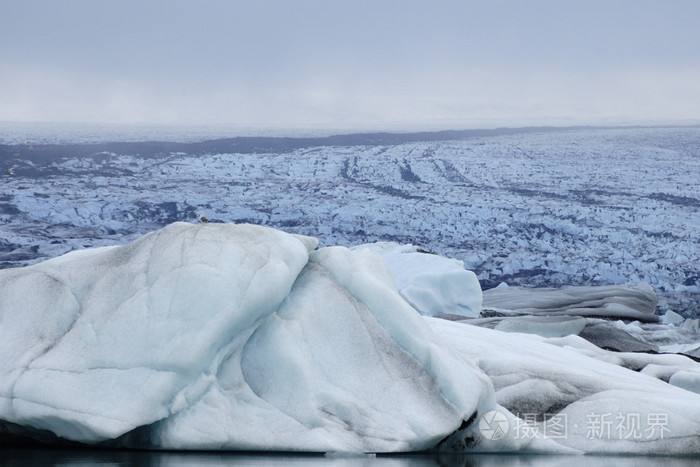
x=632 y=301
x=242 y=337
x=226 y=337
x=432 y=284
x=98 y=342
x=545 y=326
x=570 y=391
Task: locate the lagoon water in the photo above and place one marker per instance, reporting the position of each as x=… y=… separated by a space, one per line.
x=82 y=457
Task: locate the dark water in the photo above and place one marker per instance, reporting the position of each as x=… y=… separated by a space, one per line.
x=68 y=457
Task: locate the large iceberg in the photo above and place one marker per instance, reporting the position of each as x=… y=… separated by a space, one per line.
x=222 y=336
x=227 y=336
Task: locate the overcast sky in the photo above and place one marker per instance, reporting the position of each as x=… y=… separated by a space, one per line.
x=351 y=64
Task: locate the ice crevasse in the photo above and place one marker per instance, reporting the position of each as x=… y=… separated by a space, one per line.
x=222 y=336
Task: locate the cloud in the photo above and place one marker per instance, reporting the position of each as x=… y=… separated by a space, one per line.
x=313 y=63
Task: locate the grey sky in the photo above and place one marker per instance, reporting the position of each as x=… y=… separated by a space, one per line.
x=351 y=64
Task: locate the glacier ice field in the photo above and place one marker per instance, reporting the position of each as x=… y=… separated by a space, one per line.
x=536 y=207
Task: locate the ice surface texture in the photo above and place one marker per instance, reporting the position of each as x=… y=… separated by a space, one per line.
x=544 y=208
x=432 y=284
x=634 y=302
x=227 y=336
x=222 y=336
x=569 y=391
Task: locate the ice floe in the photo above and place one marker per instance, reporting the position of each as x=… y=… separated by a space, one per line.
x=432 y=284
x=635 y=301
x=580 y=396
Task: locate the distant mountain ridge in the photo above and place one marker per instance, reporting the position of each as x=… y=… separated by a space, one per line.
x=252 y=144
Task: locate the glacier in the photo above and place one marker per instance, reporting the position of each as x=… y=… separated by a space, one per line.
x=530 y=207
x=243 y=337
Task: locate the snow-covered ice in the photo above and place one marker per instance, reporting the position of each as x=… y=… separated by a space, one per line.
x=598 y=399
x=98 y=342
x=227 y=336
x=432 y=284
x=230 y=336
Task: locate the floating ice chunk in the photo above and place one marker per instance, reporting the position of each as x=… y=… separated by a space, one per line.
x=432 y=284
x=242 y=337
x=674 y=339
x=343 y=365
x=635 y=301
x=661 y=371
x=584 y=389
x=98 y=342
x=555 y=326
x=609 y=337
x=634 y=422
x=687 y=349
x=692 y=325
x=671 y=317
x=686 y=379
x=217 y=336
